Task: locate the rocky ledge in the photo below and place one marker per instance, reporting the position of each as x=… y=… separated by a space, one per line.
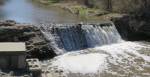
x=37 y=45
x=134 y=27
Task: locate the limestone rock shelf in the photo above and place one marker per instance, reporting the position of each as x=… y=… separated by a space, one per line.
x=37 y=45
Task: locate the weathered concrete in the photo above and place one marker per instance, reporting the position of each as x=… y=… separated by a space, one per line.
x=12 y=47
x=35 y=67
x=12 y=55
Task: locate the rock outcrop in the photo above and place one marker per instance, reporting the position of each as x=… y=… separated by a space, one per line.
x=134 y=26
x=37 y=45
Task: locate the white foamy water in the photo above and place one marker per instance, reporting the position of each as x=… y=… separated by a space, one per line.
x=126 y=59
x=88 y=62
x=94 y=50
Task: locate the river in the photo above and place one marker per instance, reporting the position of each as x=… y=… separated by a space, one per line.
x=94 y=50
x=25 y=11
x=90 y=50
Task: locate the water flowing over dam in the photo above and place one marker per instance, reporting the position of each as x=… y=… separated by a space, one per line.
x=88 y=49
x=71 y=37
x=94 y=50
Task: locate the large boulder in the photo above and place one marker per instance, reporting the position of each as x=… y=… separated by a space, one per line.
x=37 y=45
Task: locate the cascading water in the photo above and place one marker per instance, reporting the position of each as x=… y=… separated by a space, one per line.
x=97 y=35
x=97 y=50
x=71 y=37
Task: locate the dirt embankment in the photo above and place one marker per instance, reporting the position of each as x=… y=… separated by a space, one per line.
x=103 y=9
x=75 y=7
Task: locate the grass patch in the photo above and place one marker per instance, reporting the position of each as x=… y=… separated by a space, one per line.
x=53 y=1
x=86 y=12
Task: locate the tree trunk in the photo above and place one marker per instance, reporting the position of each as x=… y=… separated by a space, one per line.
x=109 y=7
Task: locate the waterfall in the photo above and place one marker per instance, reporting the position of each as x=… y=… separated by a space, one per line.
x=94 y=50
x=97 y=35
x=71 y=37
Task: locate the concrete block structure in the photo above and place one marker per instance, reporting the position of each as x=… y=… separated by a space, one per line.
x=34 y=67
x=12 y=55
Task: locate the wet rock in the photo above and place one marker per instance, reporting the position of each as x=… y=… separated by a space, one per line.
x=7 y=23
x=133 y=27
x=37 y=45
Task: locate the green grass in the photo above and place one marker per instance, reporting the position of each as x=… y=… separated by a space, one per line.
x=80 y=10
x=83 y=11
x=53 y=1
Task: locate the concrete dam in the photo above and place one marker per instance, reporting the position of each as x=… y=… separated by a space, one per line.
x=73 y=50
x=71 y=37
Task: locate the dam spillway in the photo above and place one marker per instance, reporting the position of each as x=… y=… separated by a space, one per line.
x=94 y=50
x=72 y=37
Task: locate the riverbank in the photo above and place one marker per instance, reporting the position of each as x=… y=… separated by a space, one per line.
x=80 y=10
x=132 y=23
